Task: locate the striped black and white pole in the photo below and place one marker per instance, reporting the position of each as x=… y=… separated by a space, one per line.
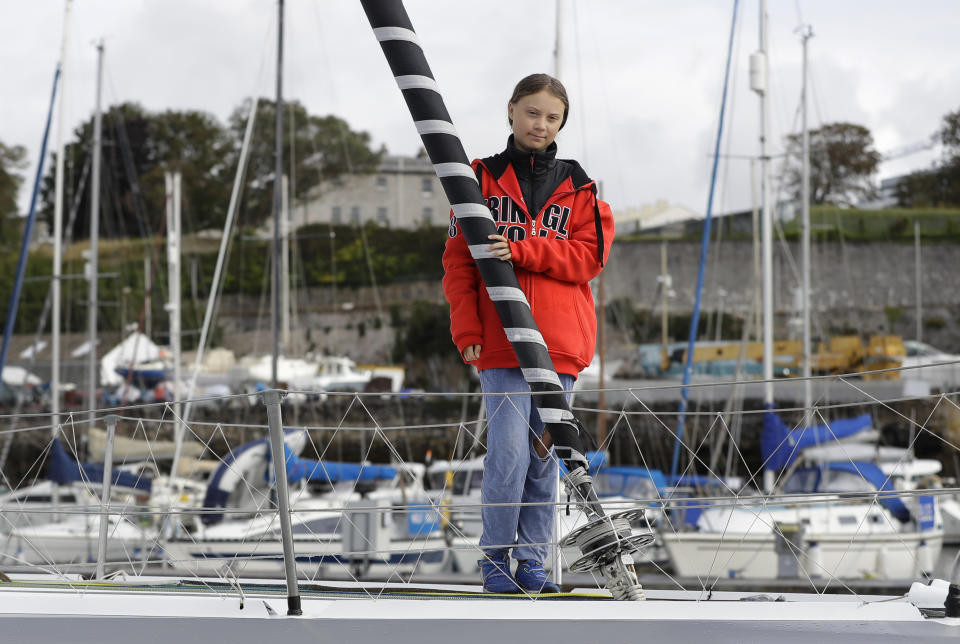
x=605 y=538
x=400 y=45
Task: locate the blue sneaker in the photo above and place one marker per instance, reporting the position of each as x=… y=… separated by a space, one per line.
x=532 y=578
x=495 y=571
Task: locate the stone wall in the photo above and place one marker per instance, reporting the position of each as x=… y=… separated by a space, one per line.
x=869 y=287
x=865 y=286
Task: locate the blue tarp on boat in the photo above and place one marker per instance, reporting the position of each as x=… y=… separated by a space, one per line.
x=240 y=464
x=622 y=480
x=869 y=472
x=65 y=469
x=143 y=377
x=250 y=459
x=299 y=469
x=781 y=445
x=332 y=471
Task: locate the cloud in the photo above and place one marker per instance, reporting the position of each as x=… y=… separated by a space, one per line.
x=644 y=77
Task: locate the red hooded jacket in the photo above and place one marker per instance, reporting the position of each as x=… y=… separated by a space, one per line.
x=555 y=255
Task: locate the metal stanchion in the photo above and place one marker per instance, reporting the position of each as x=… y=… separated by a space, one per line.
x=105 y=495
x=556 y=575
x=271 y=399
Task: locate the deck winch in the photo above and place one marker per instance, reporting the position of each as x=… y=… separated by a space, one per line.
x=605 y=540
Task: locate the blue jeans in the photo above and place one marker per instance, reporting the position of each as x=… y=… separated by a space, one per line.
x=512 y=471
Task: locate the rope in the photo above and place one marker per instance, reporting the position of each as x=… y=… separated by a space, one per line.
x=705 y=243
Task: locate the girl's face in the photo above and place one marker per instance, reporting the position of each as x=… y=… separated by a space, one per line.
x=536 y=120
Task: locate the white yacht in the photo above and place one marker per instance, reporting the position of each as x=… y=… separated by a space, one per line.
x=835 y=514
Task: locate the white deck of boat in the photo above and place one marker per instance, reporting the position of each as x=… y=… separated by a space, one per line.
x=36 y=609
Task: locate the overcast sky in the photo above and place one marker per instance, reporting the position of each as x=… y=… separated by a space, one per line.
x=644 y=77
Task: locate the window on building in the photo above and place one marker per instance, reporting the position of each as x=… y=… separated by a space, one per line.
x=382 y=216
x=427 y=218
x=426 y=186
x=381 y=183
x=336 y=216
x=355 y=215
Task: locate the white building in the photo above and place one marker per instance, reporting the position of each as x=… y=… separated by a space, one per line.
x=404 y=192
x=659 y=216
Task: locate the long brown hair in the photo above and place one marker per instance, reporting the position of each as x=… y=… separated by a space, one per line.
x=538 y=82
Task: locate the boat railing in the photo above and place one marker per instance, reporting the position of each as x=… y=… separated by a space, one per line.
x=222 y=513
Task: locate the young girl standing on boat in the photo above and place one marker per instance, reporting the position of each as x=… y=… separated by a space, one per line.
x=557 y=234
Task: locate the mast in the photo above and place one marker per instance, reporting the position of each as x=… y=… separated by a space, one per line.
x=558 y=41
x=758 y=83
x=94 y=243
x=58 y=233
x=173 y=182
x=704 y=246
x=218 y=269
x=148 y=296
x=285 y=267
x=25 y=246
x=918 y=274
x=805 y=34
x=556 y=575
x=601 y=351
x=665 y=286
x=277 y=200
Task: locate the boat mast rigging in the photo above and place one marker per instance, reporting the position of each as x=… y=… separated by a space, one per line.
x=704 y=245
x=759 y=83
x=805 y=34
x=93 y=266
x=277 y=202
x=58 y=234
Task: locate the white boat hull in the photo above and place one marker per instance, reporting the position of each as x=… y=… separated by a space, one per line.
x=75 y=541
x=950 y=511
x=751 y=556
x=315 y=557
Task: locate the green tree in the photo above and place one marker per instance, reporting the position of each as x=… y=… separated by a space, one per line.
x=940 y=185
x=318 y=148
x=949 y=134
x=12 y=159
x=138 y=147
x=204 y=152
x=424 y=333
x=842 y=164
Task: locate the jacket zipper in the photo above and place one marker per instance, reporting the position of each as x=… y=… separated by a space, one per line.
x=557 y=196
x=533 y=218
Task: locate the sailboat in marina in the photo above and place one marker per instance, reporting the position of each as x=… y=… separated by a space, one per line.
x=834 y=513
x=236 y=525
